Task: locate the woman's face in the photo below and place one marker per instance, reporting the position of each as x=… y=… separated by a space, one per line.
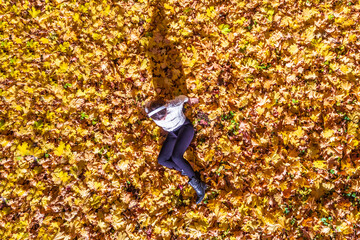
x=164 y=117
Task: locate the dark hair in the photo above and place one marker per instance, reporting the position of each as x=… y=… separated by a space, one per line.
x=155 y=105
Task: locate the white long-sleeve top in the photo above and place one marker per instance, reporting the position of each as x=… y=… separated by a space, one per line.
x=175 y=116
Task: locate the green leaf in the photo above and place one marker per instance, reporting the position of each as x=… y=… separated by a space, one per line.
x=225 y=29
x=13 y=60
x=286 y=211
x=188 y=9
x=38 y=124
x=2 y=122
x=30 y=43
x=83 y=115
x=67 y=85
x=53 y=36
x=148 y=34
x=262 y=66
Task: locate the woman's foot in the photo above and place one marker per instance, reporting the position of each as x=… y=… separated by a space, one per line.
x=199 y=187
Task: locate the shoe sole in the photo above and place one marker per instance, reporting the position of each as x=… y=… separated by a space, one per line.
x=205 y=186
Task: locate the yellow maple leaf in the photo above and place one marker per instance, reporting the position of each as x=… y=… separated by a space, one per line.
x=352 y=128
x=345 y=228
x=283 y=186
x=44 y=40
x=4 y=142
x=28 y=89
x=308 y=13
x=135 y=19
x=168 y=7
x=17 y=40
x=285 y=136
x=328 y=186
x=209 y=155
x=95 y=185
x=352 y=38
x=240 y=21
x=237 y=148
x=210 y=12
x=345 y=69
x=18 y=107
x=328 y=133
x=96 y=36
x=64 y=176
x=63 y=67
x=76 y=17
x=224 y=144
x=299 y=132
x=314 y=117
x=293 y=49
x=355 y=143
x=107 y=10
x=34 y=13
x=320 y=164
x=37 y=152
x=61 y=149
x=60 y=235
x=274 y=158
x=143 y=64
x=308 y=34
x=260 y=110
x=272 y=227
x=23 y=149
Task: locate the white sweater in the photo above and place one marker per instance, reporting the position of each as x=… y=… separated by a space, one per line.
x=175 y=116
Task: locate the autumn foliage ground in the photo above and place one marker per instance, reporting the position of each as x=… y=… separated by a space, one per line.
x=277 y=125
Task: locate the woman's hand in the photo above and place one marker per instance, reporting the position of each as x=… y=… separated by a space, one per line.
x=193 y=101
x=163 y=132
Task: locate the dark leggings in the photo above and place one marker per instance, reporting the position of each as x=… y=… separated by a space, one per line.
x=174 y=147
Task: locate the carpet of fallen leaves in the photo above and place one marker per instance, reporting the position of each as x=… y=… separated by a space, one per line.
x=277 y=125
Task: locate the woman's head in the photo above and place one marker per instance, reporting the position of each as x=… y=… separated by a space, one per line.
x=157 y=103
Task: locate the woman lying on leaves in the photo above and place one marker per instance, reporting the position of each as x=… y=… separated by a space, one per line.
x=170 y=117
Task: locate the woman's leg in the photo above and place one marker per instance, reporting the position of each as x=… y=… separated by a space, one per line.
x=184 y=138
x=165 y=154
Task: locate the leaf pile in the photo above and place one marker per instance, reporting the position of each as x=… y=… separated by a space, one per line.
x=277 y=125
